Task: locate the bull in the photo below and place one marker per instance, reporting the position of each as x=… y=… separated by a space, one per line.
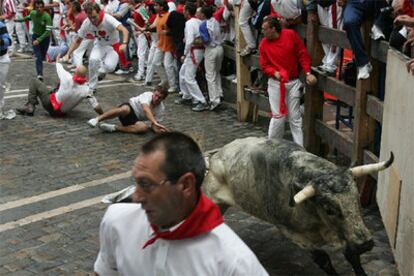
x=311 y=200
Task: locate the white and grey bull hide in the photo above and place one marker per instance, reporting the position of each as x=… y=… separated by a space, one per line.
x=311 y=200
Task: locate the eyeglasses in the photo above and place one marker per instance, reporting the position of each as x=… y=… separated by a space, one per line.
x=148 y=186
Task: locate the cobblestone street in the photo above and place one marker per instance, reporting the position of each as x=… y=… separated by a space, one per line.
x=54 y=172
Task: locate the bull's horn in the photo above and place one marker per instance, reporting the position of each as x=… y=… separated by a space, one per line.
x=370 y=168
x=304 y=194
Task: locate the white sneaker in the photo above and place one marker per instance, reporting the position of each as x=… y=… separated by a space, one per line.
x=364 y=71
x=93 y=122
x=172 y=90
x=107 y=127
x=122 y=72
x=376 y=33
x=138 y=78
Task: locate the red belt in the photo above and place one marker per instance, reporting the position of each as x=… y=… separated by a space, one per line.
x=198 y=47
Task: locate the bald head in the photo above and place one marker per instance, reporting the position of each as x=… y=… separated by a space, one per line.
x=81 y=71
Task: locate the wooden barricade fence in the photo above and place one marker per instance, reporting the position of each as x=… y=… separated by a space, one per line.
x=367 y=107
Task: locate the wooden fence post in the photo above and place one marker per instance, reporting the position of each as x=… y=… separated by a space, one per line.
x=242 y=71
x=313 y=96
x=364 y=125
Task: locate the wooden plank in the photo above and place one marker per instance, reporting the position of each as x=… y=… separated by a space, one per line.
x=379 y=50
x=375 y=108
x=301 y=30
x=242 y=72
x=393 y=206
x=369 y=158
x=333 y=37
x=361 y=122
x=229 y=51
x=313 y=96
x=335 y=138
x=252 y=60
x=336 y=88
x=258 y=99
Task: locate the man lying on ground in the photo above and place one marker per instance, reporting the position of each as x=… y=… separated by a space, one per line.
x=138 y=115
x=58 y=102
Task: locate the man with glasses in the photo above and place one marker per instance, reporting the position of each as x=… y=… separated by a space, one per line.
x=174 y=229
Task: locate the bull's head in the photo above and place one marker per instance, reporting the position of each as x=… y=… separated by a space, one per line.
x=337 y=198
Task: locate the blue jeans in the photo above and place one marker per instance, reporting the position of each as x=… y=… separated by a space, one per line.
x=356 y=11
x=40 y=53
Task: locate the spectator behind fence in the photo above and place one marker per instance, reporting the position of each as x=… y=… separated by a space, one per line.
x=175 y=229
x=402 y=34
x=355 y=13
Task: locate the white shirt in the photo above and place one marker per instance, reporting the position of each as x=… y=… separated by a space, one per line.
x=112 y=6
x=214 y=31
x=146 y=98
x=69 y=93
x=287 y=9
x=105 y=34
x=125 y=229
x=191 y=32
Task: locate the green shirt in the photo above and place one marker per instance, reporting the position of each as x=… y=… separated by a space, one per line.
x=42 y=24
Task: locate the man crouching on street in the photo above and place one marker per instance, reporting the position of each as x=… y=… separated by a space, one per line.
x=140 y=114
x=72 y=90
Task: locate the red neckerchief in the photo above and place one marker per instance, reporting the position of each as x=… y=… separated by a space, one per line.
x=180 y=9
x=101 y=18
x=205 y=217
x=78 y=79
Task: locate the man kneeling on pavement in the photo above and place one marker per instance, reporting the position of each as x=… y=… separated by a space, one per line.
x=140 y=114
x=72 y=90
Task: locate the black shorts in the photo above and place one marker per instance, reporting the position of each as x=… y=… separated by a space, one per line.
x=129 y=119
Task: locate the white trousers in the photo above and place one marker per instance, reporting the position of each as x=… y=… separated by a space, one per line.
x=166 y=67
x=103 y=59
x=20 y=32
x=150 y=61
x=292 y=99
x=4 y=69
x=246 y=12
x=77 y=57
x=188 y=83
x=325 y=19
x=56 y=27
x=213 y=58
x=142 y=52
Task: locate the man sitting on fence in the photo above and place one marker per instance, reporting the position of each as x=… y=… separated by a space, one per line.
x=281 y=53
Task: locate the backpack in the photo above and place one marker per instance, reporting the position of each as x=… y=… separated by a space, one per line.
x=204 y=35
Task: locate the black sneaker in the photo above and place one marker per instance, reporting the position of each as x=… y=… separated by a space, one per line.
x=182 y=101
x=40 y=77
x=101 y=76
x=28 y=109
x=200 y=107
